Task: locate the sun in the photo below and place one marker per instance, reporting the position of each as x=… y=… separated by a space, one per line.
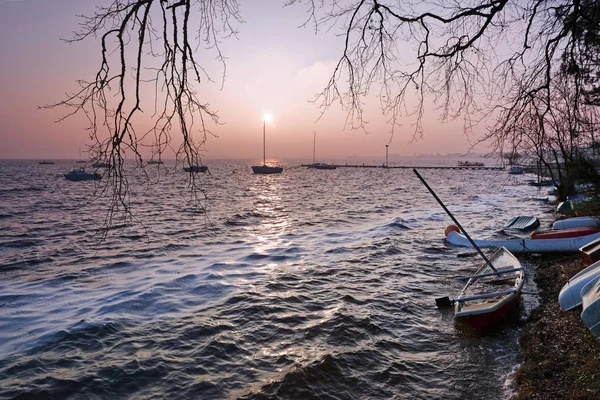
x=267 y=117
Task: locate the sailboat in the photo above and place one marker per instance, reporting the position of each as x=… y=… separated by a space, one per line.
x=80 y=161
x=315 y=164
x=265 y=169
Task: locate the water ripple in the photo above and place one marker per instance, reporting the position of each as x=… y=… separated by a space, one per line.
x=305 y=285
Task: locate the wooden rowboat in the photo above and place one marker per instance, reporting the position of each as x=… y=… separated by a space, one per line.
x=590 y=253
x=488 y=296
x=565 y=245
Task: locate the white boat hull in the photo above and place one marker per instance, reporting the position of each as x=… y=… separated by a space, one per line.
x=591 y=306
x=577 y=222
x=570 y=294
x=565 y=245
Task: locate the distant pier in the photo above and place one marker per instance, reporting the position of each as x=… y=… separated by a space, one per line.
x=468 y=167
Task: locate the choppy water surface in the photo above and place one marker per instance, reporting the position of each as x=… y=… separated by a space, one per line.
x=308 y=284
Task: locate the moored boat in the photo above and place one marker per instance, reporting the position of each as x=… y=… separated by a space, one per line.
x=196 y=168
x=570 y=294
x=81 y=175
x=515 y=170
x=325 y=166
x=570 y=244
x=489 y=296
x=265 y=169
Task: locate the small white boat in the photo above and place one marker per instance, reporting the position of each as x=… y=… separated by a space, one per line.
x=590 y=315
x=196 y=168
x=81 y=175
x=488 y=296
x=577 y=222
x=570 y=294
x=571 y=244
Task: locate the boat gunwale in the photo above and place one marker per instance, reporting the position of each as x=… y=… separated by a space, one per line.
x=459 y=311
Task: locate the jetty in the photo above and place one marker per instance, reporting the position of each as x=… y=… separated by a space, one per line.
x=468 y=167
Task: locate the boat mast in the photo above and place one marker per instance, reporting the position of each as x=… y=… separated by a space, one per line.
x=264 y=141
x=314 y=145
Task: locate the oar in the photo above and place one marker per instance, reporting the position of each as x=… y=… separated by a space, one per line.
x=445 y=301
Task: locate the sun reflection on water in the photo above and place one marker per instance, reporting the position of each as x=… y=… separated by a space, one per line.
x=275 y=223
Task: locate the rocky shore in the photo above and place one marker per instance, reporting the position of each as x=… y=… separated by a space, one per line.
x=560 y=358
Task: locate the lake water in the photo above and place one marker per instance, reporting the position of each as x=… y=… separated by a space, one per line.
x=307 y=284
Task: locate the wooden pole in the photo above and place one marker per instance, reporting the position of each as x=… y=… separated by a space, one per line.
x=489 y=263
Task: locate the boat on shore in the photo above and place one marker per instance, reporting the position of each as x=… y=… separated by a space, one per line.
x=577 y=222
x=563 y=233
x=490 y=295
x=527 y=245
x=196 y=168
x=570 y=294
x=590 y=303
x=590 y=253
x=81 y=175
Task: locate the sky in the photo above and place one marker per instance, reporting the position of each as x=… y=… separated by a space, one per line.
x=274 y=66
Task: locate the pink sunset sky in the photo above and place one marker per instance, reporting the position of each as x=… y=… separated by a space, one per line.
x=274 y=67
